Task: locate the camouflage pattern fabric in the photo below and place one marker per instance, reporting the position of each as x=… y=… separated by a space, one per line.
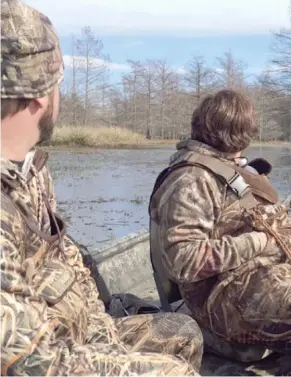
x=234 y=281
x=169 y=333
x=245 y=353
x=52 y=320
x=31 y=60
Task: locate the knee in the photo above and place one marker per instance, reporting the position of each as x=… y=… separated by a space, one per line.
x=181 y=325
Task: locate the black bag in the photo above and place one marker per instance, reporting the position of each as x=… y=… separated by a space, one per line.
x=127 y=304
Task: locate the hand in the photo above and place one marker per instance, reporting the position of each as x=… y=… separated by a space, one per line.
x=274 y=251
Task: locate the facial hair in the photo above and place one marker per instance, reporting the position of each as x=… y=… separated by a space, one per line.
x=46 y=125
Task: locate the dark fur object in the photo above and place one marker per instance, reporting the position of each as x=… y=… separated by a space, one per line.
x=261 y=165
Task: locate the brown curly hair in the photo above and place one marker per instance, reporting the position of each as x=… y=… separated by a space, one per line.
x=225 y=120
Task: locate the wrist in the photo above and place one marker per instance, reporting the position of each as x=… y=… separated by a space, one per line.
x=263 y=237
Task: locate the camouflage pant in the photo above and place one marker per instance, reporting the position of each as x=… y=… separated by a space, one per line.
x=164 y=344
x=256 y=309
x=165 y=333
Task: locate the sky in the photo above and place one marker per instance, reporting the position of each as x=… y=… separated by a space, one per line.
x=174 y=30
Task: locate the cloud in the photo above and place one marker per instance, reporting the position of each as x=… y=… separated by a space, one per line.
x=134 y=43
x=80 y=62
x=180 y=70
x=183 y=17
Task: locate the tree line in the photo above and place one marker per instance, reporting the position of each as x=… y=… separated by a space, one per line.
x=157 y=100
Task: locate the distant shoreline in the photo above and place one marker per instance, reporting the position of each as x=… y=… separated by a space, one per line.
x=72 y=138
x=271 y=144
x=147 y=144
x=150 y=144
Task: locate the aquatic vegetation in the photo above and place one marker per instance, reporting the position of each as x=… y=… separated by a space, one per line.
x=137 y=200
x=94 y=137
x=101 y=137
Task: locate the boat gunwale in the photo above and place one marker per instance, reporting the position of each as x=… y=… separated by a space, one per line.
x=119 y=246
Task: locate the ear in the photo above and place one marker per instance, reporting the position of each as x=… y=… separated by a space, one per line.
x=38 y=105
x=42 y=103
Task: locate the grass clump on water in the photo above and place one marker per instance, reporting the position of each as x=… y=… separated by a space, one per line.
x=137 y=200
x=95 y=137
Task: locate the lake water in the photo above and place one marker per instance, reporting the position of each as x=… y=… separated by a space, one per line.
x=104 y=195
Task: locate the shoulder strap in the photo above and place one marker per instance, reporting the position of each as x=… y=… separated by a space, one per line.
x=231 y=177
x=225 y=173
x=165 y=173
x=39 y=160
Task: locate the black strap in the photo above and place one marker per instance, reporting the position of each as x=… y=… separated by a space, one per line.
x=164 y=174
x=159 y=273
x=166 y=306
x=127 y=304
x=160 y=288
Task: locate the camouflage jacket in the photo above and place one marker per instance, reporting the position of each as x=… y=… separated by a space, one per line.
x=205 y=237
x=50 y=301
x=52 y=321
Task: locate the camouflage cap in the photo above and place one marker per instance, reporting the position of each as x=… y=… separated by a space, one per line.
x=31 y=58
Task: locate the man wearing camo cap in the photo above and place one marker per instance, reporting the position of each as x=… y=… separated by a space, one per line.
x=53 y=322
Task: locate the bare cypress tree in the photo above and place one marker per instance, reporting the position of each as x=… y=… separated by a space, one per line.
x=74 y=90
x=165 y=88
x=279 y=79
x=281 y=62
x=132 y=81
x=93 y=67
x=230 y=73
x=198 y=78
x=148 y=87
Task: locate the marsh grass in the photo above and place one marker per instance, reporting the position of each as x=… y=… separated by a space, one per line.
x=94 y=137
x=114 y=137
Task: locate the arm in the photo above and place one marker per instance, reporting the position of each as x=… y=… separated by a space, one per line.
x=187 y=218
x=29 y=346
